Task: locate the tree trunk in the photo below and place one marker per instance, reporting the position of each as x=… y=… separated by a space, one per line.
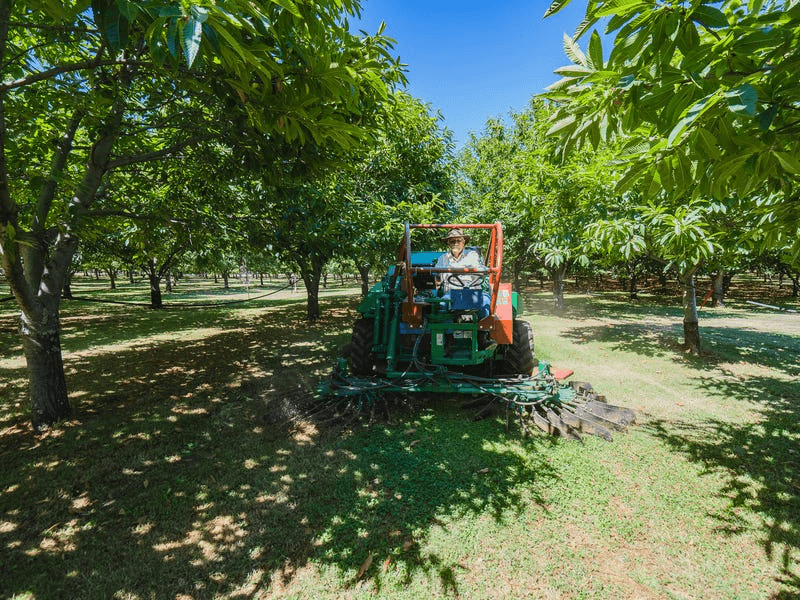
x=168 y=280
x=67 y=290
x=662 y=281
x=112 y=275
x=516 y=272
x=633 y=290
x=155 y=292
x=558 y=287
x=718 y=289
x=41 y=342
x=311 y=278
x=312 y=295
x=155 y=285
x=225 y=282
x=691 y=327
x=363 y=272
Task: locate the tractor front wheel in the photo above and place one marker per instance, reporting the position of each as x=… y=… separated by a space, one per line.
x=519 y=356
x=361 y=361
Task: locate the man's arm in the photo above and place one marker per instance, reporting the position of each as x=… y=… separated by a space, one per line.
x=441 y=263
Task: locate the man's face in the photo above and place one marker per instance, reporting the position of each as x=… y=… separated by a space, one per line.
x=456 y=246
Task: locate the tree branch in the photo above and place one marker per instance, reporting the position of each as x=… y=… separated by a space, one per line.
x=134 y=216
x=63 y=149
x=68 y=68
x=61 y=28
x=156 y=154
x=167 y=263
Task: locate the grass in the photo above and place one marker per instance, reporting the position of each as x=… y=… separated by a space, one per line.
x=180 y=478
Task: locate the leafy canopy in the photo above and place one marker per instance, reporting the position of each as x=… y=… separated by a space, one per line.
x=705 y=94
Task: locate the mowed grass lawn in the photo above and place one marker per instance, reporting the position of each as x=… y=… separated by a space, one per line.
x=181 y=475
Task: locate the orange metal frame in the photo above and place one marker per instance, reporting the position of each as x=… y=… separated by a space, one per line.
x=493 y=262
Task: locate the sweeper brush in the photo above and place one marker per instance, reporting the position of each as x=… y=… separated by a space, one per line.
x=540 y=401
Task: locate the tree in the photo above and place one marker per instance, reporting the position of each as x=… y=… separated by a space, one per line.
x=489 y=190
x=680 y=237
x=109 y=251
x=622 y=239
x=407 y=175
x=85 y=92
x=704 y=99
x=706 y=96
x=164 y=209
x=352 y=208
x=516 y=174
x=306 y=231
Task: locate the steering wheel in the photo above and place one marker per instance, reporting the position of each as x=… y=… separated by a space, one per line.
x=476 y=281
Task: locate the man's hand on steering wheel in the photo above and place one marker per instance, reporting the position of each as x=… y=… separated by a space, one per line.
x=455 y=280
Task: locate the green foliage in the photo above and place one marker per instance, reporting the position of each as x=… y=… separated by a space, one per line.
x=353 y=210
x=513 y=173
x=705 y=96
x=90 y=89
x=682 y=234
x=407 y=175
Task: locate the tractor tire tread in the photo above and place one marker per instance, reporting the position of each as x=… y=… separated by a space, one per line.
x=361 y=359
x=520 y=358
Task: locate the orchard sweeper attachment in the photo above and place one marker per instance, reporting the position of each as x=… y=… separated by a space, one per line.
x=453 y=329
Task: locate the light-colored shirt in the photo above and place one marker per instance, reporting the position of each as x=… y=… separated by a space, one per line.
x=469 y=258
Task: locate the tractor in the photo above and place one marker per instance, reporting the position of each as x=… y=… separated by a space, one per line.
x=428 y=328
x=407 y=320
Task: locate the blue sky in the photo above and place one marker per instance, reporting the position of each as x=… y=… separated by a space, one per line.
x=474 y=60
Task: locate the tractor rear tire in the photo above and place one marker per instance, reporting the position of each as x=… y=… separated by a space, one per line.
x=519 y=356
x=361 y=359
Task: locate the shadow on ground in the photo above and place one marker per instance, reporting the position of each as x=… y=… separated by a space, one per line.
x=759 y=460
x=180 y=474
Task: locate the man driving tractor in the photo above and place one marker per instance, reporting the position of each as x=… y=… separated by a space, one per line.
x=460 y=257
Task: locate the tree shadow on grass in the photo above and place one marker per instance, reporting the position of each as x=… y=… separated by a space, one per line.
x=617 y=306
x=175 y=479
x=644 y=339
x=730 y=344
x=759 y=460
x=603 y=306
x=116 y=325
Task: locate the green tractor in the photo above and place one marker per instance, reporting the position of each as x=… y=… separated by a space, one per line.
x=408 y=321
x=439 y=324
